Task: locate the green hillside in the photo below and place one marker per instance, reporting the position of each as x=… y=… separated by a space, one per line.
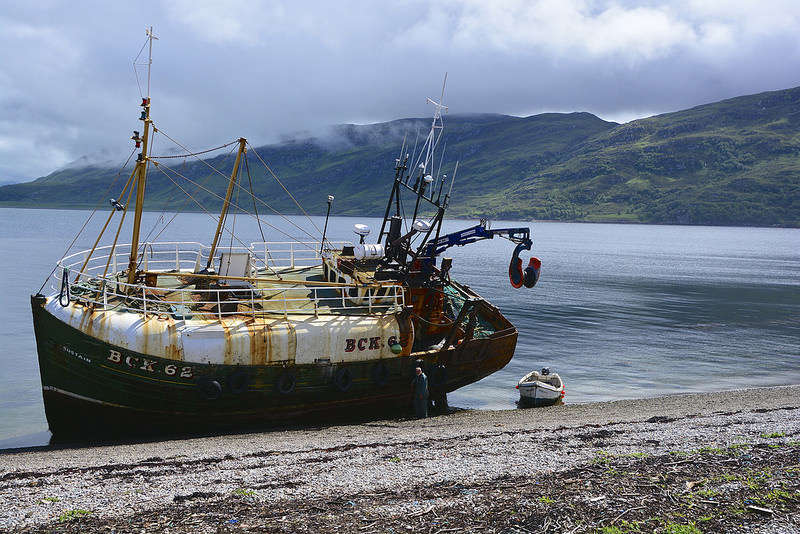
x=733 y=162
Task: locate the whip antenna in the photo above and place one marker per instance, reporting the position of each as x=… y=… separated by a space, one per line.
x=150 y=37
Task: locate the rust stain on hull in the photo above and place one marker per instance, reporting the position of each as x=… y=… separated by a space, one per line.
x=173 y=350
x=228 y=350
x=268 y=343
x=292 y=338
x=256 y=332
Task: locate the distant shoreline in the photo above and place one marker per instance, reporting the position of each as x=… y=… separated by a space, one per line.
x=7 y=205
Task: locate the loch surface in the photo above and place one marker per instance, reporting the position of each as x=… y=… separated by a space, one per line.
x=621 y=311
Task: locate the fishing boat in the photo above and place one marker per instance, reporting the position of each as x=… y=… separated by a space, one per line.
x=540 y=389
x=154 y=336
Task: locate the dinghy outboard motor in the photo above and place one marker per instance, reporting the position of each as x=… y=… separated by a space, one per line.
x=530 y=275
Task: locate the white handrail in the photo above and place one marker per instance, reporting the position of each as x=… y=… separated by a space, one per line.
x=180 y=259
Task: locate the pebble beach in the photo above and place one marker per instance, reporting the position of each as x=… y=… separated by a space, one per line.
x=715 y=462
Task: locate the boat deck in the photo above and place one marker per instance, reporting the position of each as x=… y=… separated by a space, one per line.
x=298 y=290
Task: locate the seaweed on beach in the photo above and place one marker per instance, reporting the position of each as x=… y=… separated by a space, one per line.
x=731 y=489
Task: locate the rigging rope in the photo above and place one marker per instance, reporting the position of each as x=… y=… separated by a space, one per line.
x=200 y=205
x=255 y=207
x=88 y=219
x=194 y=153
x=402 y=211
x=233 y=204
x=161 y=218
x=119 y=172
x=233 y=225
x=279 y=214
x=135 y=72
x=204 y=162
x=185 y=202
x=284 y=187
x=103 y=230
x=267 y=253
x=239 y=187
x=112 y=253
x=174 y=216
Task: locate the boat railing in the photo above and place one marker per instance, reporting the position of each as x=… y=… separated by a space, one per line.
x=292 y=254
x=264 y=256
x=185 y=291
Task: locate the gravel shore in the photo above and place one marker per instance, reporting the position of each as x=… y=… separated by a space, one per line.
x=716 y=462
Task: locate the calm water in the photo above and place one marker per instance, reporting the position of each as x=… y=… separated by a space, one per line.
x=621 y=311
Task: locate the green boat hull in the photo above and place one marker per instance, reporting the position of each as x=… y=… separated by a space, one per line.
x=91 y=387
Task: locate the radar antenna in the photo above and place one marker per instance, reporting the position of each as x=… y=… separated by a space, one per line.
x=436 y=124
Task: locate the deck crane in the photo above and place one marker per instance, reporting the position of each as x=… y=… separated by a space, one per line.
x=521 y=236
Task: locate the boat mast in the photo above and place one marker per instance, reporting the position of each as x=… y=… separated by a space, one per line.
x=425 y=180
x=227 y=201
x=141 y=166
x=425 y=185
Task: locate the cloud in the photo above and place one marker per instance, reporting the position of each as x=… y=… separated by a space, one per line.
x=260 y=69
x=571 y=27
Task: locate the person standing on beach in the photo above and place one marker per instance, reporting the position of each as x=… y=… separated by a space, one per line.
x=420 y=387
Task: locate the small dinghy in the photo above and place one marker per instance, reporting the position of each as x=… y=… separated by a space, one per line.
x=540 y=389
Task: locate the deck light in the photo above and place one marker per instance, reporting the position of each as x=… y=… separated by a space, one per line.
x=362 y=230
x=421 y=226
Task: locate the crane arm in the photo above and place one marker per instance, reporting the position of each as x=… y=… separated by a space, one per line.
x=476 y=233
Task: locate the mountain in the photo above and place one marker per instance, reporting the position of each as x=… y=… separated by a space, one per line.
x=733 y=162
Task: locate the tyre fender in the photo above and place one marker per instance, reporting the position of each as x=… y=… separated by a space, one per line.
x=210 y=389
x=286 y=382
x=343 y=379
x=238 y=382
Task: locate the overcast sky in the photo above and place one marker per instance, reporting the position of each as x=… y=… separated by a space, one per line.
x=225 y=69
